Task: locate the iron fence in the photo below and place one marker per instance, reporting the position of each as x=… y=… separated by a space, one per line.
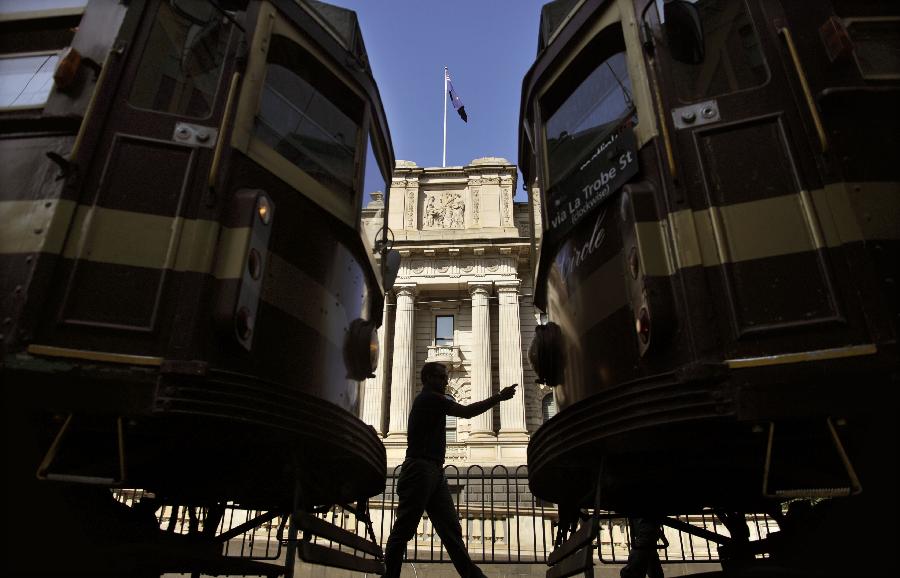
x=502 y=522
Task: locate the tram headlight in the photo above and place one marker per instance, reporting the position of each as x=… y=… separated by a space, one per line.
x=547 y=354
x=245 y=244
x=264 y=209
x=361 y=349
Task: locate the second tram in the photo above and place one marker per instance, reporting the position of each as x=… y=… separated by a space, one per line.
x=718 y=259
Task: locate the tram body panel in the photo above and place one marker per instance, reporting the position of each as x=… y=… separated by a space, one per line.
x=150 y=285
x=740 y=235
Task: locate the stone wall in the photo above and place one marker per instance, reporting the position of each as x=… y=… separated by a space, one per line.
x=457 y=228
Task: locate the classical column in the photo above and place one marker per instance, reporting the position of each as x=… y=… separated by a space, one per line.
x=512 y=412
x=374 y=396
x=482 y=425
x=402 y=379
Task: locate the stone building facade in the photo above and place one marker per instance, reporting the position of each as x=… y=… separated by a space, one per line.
x=463 y=297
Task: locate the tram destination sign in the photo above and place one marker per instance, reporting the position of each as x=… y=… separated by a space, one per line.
x=602 y=172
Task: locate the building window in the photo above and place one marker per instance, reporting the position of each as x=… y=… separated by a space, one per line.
x=450 y=425
x=26 y=81
x=443 y=330
x=548 y=407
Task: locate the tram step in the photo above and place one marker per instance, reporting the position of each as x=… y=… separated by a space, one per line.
x=583 y=536
x=580 y=561
x=323 y=529
x=316 y=554
x=576 y=554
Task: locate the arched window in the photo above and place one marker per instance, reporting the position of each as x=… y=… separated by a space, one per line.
x=548 y=407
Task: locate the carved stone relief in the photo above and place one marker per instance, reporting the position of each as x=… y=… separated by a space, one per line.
x=456 y=267
x=475 y=200
x=410 y=215
x=444 y=211
x=506 y=201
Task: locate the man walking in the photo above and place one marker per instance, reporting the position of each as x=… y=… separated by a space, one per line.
x=422 y=486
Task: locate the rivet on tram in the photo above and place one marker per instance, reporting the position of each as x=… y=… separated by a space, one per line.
x=361 y=349
x=642 y=325
x=634 y=265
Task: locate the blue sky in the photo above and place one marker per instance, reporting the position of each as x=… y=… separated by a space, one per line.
x=488 y=46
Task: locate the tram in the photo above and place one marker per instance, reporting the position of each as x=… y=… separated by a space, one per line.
x=189 y=299
x=719 y=198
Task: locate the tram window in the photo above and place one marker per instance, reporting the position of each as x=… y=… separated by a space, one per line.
x=587 y=101
x=30 y=43
x=373 y=178
x=309 y=117
x=7 y=8
x=733 y=58
x=374 y=209
x=41 y=34
x=26 y=81
x=876 y=46
x=182 y=61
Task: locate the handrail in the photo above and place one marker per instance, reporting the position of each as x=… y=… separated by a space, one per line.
x=807 y=93
x=226 y=124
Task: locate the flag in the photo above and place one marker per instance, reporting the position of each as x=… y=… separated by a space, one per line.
x=457 y=102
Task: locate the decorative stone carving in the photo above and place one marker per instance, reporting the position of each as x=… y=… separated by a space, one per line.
x=444 y=211
x=489 y=161
x=475 y=200
x=410 y=203
x=506 y=201
x=456 y=453
x=448 y=354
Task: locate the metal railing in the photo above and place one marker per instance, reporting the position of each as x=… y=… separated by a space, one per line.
x=502 y=522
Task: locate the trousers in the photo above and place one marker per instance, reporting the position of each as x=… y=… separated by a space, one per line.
x=422 y=487
x=642 y=559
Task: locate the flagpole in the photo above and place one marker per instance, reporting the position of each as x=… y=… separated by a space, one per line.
x=444 y=158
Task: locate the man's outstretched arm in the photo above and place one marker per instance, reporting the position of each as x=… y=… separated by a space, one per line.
x=479 y=407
